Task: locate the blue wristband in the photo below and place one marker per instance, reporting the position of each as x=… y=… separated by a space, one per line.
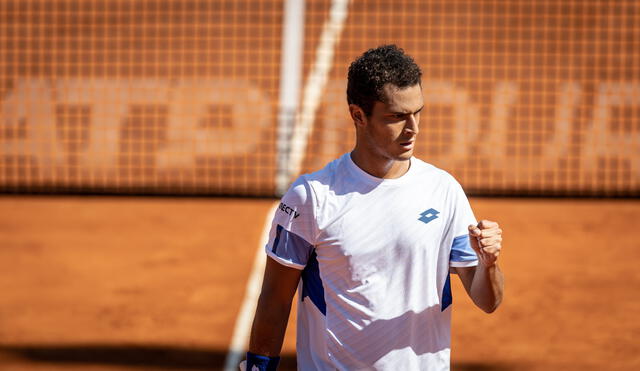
x=262 y=363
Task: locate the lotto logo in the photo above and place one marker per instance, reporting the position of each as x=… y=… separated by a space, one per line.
x=428 y=215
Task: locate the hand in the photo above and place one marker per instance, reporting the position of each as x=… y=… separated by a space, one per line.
x=486 y=241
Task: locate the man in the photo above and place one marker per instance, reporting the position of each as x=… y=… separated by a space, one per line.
x=374 y=237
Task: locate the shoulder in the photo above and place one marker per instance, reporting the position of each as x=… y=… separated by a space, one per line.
x=434 y=174
x=308 y=188
x=324 y=180
x=299 y=195
x=328 y=173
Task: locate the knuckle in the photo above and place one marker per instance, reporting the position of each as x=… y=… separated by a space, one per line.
x=489 y=241
x=485 y=223
x=491 y=249
x=488 y=233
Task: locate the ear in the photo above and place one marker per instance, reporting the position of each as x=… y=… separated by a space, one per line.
x=357 y=114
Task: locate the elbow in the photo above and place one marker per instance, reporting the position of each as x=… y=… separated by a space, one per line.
x=489 y=310
x=491 y=307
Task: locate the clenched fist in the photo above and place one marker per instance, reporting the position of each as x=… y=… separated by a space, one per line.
x=486 y=241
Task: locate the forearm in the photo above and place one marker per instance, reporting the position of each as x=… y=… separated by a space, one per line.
x=487 y=287
x=269 y=326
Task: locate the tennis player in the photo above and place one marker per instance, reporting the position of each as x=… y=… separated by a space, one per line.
x=370 y=241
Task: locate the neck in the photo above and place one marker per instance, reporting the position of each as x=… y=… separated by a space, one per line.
x=378 y=166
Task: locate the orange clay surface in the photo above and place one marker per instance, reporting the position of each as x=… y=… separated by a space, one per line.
x=122 y=283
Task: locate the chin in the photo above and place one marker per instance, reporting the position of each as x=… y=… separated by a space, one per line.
x=404 y=156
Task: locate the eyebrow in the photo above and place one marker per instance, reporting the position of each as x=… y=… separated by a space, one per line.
x=407 y=113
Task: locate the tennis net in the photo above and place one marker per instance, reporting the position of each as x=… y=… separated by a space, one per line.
x=184 y=96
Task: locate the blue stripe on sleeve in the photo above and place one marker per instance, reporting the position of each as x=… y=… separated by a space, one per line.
x=461 y=250
x=291 y=247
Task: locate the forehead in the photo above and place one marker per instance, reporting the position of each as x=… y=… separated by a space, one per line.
x=408 y=99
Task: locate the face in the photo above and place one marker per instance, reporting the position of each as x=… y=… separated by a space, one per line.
x=389 y=133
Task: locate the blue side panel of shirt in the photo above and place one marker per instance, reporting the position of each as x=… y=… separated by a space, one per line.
x=447 y=297
x=290 y=246
x=312 y=284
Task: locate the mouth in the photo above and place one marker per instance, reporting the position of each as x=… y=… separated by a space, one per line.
x=408 y=144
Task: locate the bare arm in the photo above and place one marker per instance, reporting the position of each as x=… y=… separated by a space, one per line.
x=485 y=285
x=270 y=321
x=485 y=282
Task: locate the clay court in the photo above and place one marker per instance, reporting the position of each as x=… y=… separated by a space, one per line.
x=123 y=283
x=186 y=101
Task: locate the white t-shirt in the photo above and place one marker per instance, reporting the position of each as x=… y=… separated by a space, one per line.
x=375 y=255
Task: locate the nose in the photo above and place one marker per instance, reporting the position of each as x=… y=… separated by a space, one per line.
x=411 y=125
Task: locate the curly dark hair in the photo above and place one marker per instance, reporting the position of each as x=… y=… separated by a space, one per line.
x=386 y=64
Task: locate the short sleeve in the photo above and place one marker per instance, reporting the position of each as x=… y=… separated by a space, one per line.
x=294 y=229
x=461 y=255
